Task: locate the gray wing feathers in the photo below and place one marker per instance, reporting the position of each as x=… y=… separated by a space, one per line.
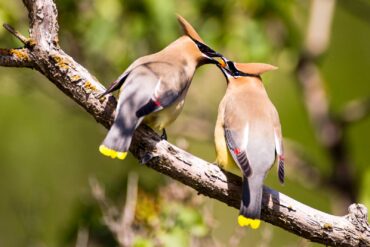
x=278 y=145
x=169 y=87
x=117 y=84
x=236 y=150
x=133 y=96
x=173 y=81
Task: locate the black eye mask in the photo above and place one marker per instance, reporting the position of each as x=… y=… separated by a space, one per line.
x=235 y=72
x=206 y=50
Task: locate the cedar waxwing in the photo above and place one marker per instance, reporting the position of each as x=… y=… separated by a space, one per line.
x=153 y=89
x=247 y=134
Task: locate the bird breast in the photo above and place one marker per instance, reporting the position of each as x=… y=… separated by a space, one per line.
x=161 y=119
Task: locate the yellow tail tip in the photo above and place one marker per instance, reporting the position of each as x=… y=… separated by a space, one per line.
x=121 y=155
x=243 y=221
x=112 y=153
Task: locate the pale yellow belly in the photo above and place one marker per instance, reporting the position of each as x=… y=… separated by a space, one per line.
x=161 y=119
x=223 y=156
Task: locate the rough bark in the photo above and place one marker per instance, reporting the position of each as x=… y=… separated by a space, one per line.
x=15 y=58
x=45 y=55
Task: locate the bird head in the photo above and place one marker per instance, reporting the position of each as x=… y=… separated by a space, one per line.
x=232 y=69
x=208 y=54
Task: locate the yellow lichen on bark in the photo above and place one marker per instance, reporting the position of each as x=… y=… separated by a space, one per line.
x=89 y=86
x=19 y=54
x=31 y=43
x=76 y=78
x=61 y=62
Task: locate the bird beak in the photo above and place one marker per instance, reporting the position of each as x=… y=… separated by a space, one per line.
x=227 y=67
x=224 y=64
x=220 y=62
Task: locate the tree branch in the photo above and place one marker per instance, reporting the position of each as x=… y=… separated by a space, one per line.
x=208 y=179
x=19 y=57
x=18 y=35
x=15 y=58
x=277 y=208
x=43 y=22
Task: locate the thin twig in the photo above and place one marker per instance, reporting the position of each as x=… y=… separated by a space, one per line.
x=119 y=223
x=82 y=237
x=110 y=213
x=17 y=34
x=125 y=233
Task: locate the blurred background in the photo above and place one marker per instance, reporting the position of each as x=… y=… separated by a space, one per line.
x=49 y=145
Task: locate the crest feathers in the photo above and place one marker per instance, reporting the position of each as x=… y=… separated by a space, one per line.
x=188 y=29
x=254 y=68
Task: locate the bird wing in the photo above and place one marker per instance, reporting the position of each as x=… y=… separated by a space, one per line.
x=117 y=84
x=236 y=128
x=278 y=144
x=235 y=146
x=170 y=82
x=159 y=101
x=168 y=89
x=138 y=88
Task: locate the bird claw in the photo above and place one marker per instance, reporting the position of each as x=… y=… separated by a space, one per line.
x=164 y=135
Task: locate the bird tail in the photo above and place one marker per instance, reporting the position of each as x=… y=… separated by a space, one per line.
x=250 y=207
x=118 y=140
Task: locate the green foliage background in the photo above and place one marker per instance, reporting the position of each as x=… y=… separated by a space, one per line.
x=49 y=144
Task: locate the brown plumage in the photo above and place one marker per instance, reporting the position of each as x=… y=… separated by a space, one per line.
x=153 y=89
x=248 y=133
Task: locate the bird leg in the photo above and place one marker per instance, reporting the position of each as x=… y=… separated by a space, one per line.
x=164 y=135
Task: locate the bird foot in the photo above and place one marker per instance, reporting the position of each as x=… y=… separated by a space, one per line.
x=164 y=135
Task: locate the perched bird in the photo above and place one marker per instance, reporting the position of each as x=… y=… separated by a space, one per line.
x=248 y=134
x=153 y=89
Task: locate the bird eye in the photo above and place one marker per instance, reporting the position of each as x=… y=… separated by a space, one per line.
x=233 y=69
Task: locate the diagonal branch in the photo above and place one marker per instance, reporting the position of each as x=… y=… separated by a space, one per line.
x=278 y=209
